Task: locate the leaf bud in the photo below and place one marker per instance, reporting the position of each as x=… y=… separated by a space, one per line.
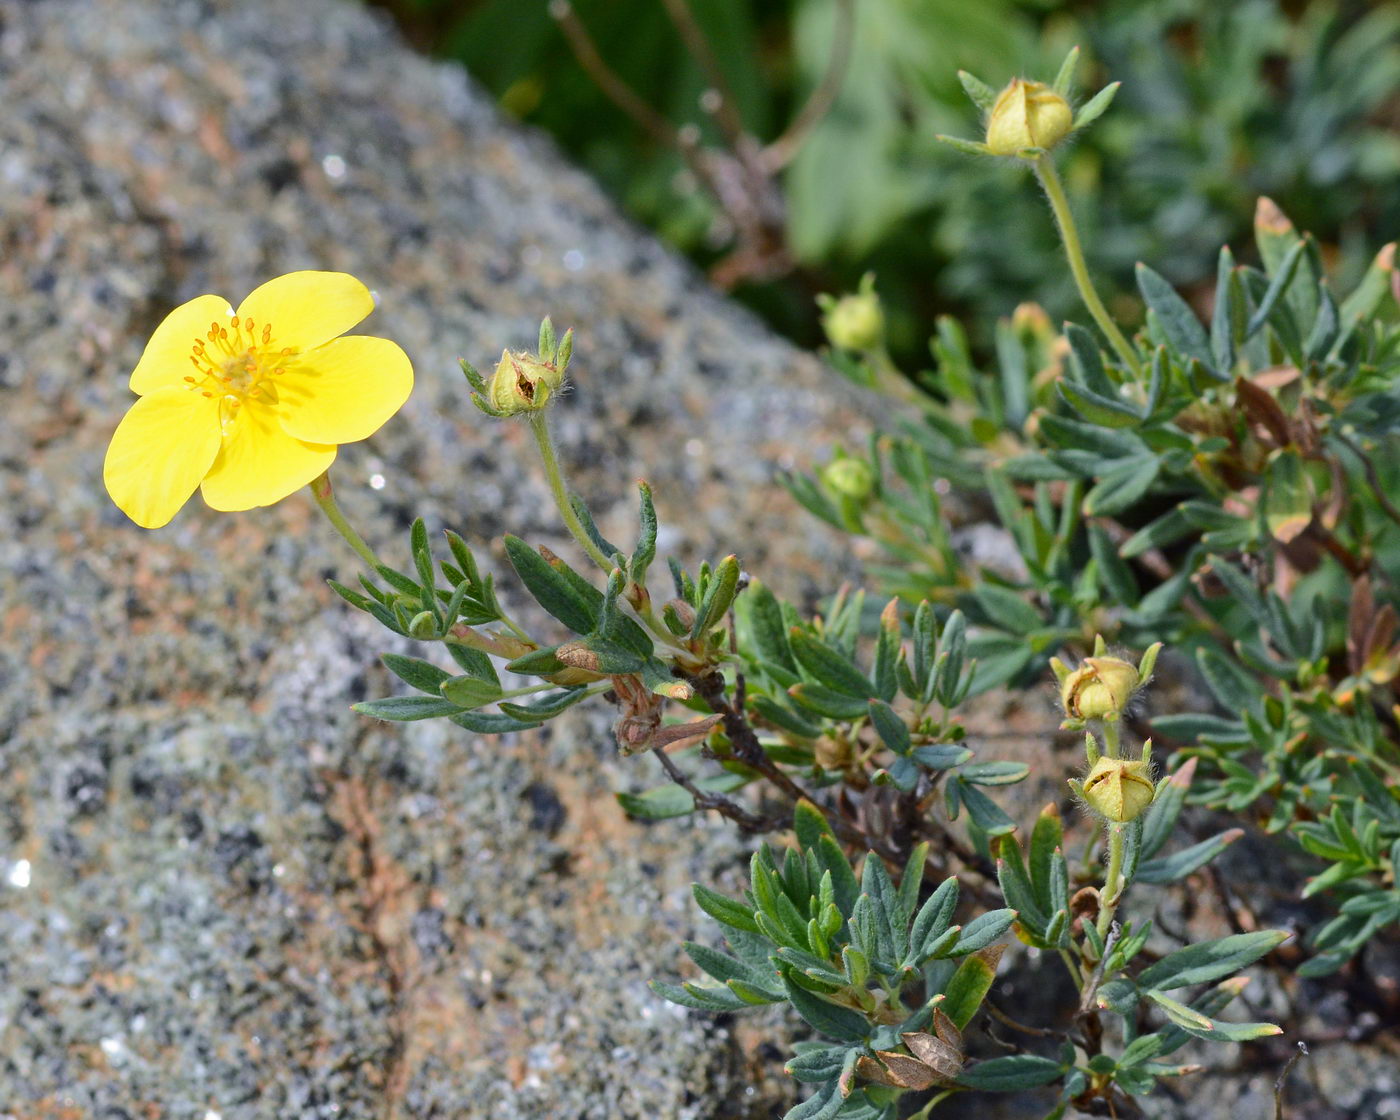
x=1025 y=115
x=1119 y=789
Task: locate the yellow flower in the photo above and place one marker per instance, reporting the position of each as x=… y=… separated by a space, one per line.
x=249 y=406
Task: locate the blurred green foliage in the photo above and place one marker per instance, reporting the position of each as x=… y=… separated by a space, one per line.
x=1220 y=103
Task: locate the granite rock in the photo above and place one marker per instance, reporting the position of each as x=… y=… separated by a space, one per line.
x=223 y=894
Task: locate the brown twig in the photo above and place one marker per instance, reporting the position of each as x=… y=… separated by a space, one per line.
x=1372 y=478
x=1301 y=1052
x=1007 y=1021
x=725 y=106
x=608 y=80
x=784 y=149
x=726 y=807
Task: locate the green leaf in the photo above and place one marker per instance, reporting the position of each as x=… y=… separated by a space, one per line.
x=645 y=551
x=986 y=814
x=724 y=585
x=1179 y=324
x=1015 y=1071
x=536 y=663
x=780 y=715
x=1095 y=107
x=826 y=1018
x=1231 y=685
x=1115 y=575
x=402 y=709
x=816 y=1061
x=470 y=692
x=657 y=804
x=1171 y=868
x=982 y=95
x=984 y=930
x=422 y=675
x=724 y=910
x=1210 y=960
x=560 y=596
x=1222 y=327
x=1166 y=808
x=697 y=997
x=1007 y=609
x=828 y=667
x=1107 y=411
x=490 y=723
x=943 y=756
x=1203 y=1026
x=994 y=773
x=967 y=988
x=933 y=920
x=770 y=630
x=1120 y=487
x=827 y=702
x=893 y=731
x=1064 y=78
x=546 y=706
x=1278 y=283
x=824 y=1104
x=474 y=662
x=585 y=518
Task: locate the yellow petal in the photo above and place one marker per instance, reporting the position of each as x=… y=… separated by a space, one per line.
x=159 y=452
x=345 y=390
x=259 y=463
x=166 y=360
x=306 y=309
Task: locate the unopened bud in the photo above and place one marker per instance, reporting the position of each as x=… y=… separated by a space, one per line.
x=1119 y=789
x=423 y=626
x=851 y=478
x=855 y=321
x=1027 y=115
x=1099 y=689
x=523 y=383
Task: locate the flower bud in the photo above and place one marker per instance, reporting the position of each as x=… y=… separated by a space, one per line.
x=523 y=383
x=1119 y=789
x=850 y=478
x=855 y=321
x=1027 y=115
x=1099 y=689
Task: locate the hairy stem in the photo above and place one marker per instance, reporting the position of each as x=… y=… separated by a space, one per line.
x=324 y=494
x=539 y=425
x=1074 y=252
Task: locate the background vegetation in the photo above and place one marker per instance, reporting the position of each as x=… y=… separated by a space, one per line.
x=1220 y=103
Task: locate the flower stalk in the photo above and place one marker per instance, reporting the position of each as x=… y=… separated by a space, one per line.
x=1074 y=253
x=324 y=494
x=549 y=456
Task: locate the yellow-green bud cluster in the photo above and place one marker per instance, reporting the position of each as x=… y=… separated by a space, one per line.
x=1099 y=689
x=523 y=382
x=850 y=478
x=1119 y=789
x=855 y=321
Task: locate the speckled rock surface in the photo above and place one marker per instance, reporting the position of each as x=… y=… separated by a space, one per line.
x=222 y=894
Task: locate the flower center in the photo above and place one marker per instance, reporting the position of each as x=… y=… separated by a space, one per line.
x=236 y=362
